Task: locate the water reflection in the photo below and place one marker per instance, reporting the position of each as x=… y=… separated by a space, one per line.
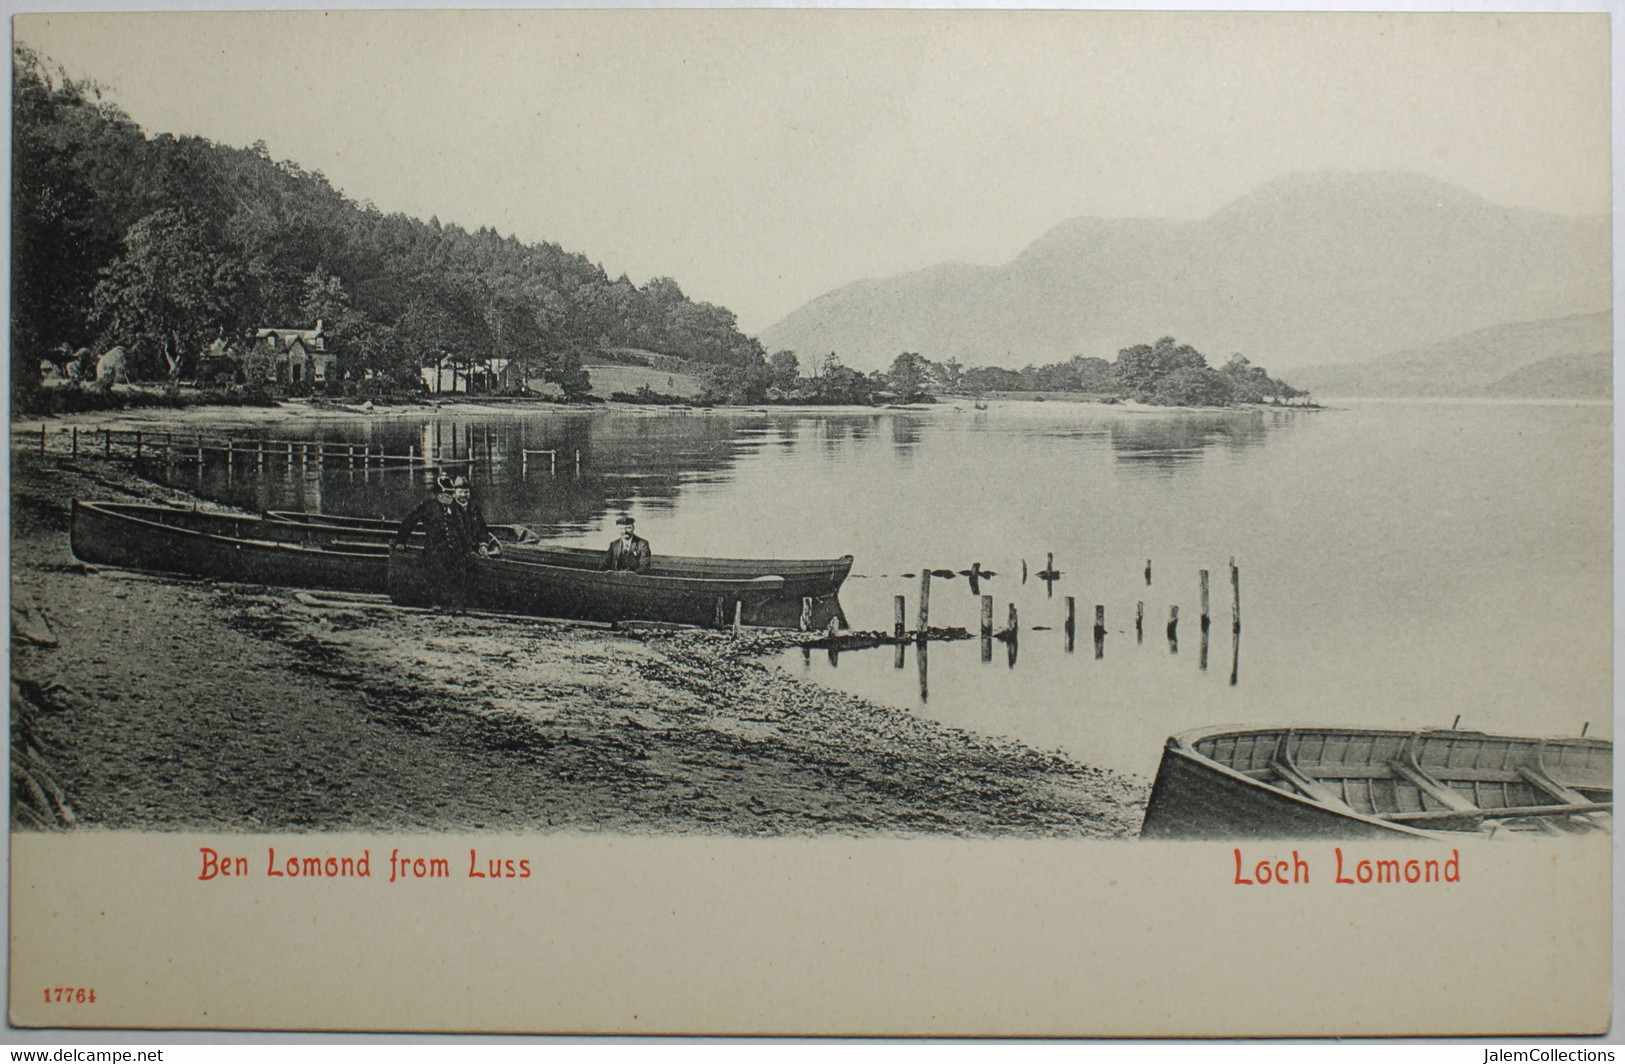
x=1165 y=444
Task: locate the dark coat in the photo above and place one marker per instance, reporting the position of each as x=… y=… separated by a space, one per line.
x=633 y=558
x=446 y=531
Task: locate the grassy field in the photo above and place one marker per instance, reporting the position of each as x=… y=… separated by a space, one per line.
x=608 y=379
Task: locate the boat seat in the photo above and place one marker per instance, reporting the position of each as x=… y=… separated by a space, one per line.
x=1283 y=765
x=1543 y=782
x=1448 y=797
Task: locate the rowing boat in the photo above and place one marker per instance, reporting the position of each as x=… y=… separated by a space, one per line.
x=803 y=578
x=519 y=583
x=1318 y=782
x=249 y=549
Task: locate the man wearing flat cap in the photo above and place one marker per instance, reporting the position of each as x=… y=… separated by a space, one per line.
x=629 y=553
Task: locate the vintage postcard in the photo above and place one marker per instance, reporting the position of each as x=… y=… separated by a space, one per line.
x=804 y=522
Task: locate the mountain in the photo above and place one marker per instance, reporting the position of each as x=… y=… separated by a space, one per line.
x=1311 y=268
x=1562 y=358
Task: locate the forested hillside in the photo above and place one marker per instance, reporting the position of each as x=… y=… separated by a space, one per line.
x=167 y=244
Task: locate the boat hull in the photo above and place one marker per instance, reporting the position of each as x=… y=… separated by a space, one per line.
x=244 y=549
x=1347 y=783
x=507 y=584
x=818 y=579
x=802 y=577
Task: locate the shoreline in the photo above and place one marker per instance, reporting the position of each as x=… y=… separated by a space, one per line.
x=299 y=411
x=168 y=703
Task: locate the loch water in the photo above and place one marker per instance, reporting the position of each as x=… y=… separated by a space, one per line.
x=1399 y=563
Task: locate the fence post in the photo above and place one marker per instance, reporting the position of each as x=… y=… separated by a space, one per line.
x=1235 y=602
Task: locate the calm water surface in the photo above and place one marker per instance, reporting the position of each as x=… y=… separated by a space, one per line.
x=1400 y=563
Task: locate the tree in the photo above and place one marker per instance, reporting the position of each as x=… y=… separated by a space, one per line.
x=168 y=295
x=1140 y=369
x=907 y=376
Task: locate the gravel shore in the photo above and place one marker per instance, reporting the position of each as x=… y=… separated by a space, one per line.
x=158 y=703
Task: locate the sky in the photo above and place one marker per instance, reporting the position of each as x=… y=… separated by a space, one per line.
x=764 y=157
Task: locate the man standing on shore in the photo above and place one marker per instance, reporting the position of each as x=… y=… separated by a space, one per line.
x=629 y=553
x=448 y=549
x=474 y=526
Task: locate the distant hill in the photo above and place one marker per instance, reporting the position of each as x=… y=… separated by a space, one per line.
x=1310 y=268
x=1564 y=358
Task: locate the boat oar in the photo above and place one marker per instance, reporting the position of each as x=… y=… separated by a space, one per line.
x=1509 y=813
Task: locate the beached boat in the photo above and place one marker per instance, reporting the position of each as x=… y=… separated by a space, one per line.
x=249 y=549
x=516 y=582
x=1319 y=782
x=803 y=578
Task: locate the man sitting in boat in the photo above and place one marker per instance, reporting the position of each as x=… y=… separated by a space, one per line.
x=630 y=552
x=448 y=548
x=473 y=520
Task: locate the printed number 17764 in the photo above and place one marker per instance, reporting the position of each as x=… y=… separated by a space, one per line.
x=70 y=995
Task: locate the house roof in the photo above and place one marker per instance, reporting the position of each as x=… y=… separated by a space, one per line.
x=313 y=339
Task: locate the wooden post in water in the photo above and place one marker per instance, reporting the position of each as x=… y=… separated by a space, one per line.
x=259 y=453
x=138 y=446
x=806 y=613
x=231 y=449
x=200 y=451
x=925 y=599
x=897 y=611
x=1173 y=629
x=1235 y=602
x=75 y=444
x=578 y=463
x=1148 y=572
x=1071 y=621
x=1139 y=622
x=1205 y=620
x=987 y=616
x=739 y=609
x=1100 y=619
x=1015 y=623
x=107 y=443
x=42 y=438
x=920 y=656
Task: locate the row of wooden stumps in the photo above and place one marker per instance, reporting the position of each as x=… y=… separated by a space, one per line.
x=170 y=448
x=552 y=457
x=1011 y=632
x=290 y=451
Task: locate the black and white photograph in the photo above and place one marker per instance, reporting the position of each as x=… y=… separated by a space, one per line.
x=1058 y=523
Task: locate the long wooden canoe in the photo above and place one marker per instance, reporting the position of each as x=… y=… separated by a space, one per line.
x=803 y=578
x=248 y=549
x=515 y=583
x=1319 y=782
